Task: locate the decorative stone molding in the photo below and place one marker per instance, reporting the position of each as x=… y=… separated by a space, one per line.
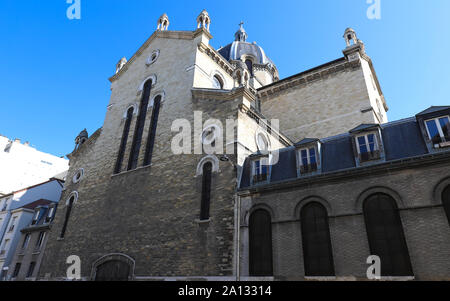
x=153 y=57
x=210 y=158
x=309 y=76
x=114 y=256
x=152 y=77
x=78 y=176
x=216 y=57
x=161 y=93
x=73 y=194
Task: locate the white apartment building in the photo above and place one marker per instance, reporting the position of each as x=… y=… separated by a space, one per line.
x=16 y=213
x=21 y=165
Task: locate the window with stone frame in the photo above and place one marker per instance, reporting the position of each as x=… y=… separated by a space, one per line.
x=26 y=241
x=40 y=240
x=31 y=269
x=438 y=130
x=308 y=158
x=368 y=147
x=16 y=270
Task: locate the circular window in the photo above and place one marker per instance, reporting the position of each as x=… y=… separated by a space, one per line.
x=153 y=57
x=262 y=142
x=78 y=176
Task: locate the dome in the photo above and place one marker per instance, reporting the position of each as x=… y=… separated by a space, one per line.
x=240 y=47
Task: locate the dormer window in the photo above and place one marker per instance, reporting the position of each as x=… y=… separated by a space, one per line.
x=50 y=215
x=439 y=131
x=308 y=160
x=368 y=147
x=308 y=156
x=260 y=170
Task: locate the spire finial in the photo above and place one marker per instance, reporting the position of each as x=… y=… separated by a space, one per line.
x=241 y=35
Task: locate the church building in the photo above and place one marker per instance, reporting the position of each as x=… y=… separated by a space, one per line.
x=314 y=179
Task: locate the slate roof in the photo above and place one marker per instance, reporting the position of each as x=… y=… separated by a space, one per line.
x=433 y=109
x=402 y=139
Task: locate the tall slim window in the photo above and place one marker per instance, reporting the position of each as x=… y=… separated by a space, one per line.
x=152 y=131
x=123 y=142
x=137 y=139
x=31 y=269
x=260 y=234
x=446 y=201
x=385 y=234
x=249 y=64
x=206 y=191
x=317 y=250
x=66 y=218
x=16 y=270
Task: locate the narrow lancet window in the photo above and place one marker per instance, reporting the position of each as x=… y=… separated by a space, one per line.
x=66 y=218
x=123 y=142
x=137 y=139
x=206 y=191
x=152 y=131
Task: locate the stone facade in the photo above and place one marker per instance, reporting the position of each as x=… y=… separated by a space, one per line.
x=416 y=187
x=148 y=217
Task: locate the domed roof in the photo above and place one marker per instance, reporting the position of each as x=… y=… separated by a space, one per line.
x=241 y=47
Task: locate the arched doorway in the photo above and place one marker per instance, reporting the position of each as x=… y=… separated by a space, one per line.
x=114 y=267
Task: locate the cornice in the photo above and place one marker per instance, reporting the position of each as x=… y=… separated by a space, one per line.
x=216 y=57
x=203 y=93
x=260 y=119
x=309 y=76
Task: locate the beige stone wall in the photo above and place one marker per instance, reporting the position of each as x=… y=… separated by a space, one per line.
x=150 y=213
x=321 y=107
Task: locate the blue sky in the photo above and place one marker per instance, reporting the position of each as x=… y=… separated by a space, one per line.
x=54 y=81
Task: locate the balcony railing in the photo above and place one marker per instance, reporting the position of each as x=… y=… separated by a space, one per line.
x=306 y=169
x=259 y=178
x=369 y=156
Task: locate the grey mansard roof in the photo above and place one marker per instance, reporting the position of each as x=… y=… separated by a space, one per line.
x=401 y=140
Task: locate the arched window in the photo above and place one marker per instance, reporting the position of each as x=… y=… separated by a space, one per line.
x=152 y=131
x=206 y=191
x=446 y=201
x=67 y=216
x=113 y=270
x=260 y=233
x=217 y=82
x=317 y=250
x=249 y=64
x=123 y=142
x=137 y=139
x=385 y=234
